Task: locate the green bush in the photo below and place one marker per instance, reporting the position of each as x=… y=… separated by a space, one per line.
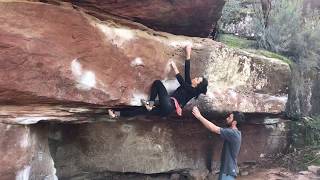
x=306 y=132
x=305 y=144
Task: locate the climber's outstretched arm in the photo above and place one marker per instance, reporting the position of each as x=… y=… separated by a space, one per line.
x=187 y=65
x=209 y=125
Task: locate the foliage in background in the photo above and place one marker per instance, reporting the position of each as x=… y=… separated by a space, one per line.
x=305 y=46
x=305 y=137
x=297 y=160
x=231 y=12
x=291 y=31
x=306 y=132
x=284 y=22
x=233 y=16
x=248 y=45
x=304 y=149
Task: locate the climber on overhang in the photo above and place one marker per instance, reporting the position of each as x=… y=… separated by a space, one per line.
x=187 y=90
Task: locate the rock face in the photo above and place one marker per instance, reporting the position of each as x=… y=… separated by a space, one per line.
x=58 y=63
x=182 y=17
x=238 y=18
x=153 y=147
x=85 y=62
x=24 y=153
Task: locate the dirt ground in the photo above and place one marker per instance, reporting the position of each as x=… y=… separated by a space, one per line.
x=279 y=174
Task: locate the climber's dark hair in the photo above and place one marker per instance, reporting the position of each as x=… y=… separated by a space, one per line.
x=239 y=117
x=202 y=87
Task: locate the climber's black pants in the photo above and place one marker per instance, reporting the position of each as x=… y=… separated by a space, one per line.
x=163 y=108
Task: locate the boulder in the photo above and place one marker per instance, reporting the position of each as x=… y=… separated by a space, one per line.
x=60 y=63
x=197 y=174
x=24 y=153
x=314 y=169
x=133 y=146
x=72 y=68
x=152 y=147
x=182 y=17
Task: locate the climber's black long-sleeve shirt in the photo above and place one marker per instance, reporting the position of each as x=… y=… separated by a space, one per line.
x=185 y=91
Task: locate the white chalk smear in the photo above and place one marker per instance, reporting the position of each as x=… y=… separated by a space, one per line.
x=136 y=62
x=85 y=79
x=24 y=173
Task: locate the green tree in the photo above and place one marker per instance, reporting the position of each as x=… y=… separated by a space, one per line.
x=291 y=30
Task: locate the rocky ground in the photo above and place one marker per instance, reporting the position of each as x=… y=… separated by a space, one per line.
x=281 y=174
x=256 y=174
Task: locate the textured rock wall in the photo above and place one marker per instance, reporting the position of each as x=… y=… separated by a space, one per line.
x=84 y=62
x=58 y=63
x=182 y=17
x=153 y=146
x=24 y=153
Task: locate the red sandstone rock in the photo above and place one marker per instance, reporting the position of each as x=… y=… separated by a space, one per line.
x=60 y=64
x=58 y=58
x=183 y=17
x=24 y=153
